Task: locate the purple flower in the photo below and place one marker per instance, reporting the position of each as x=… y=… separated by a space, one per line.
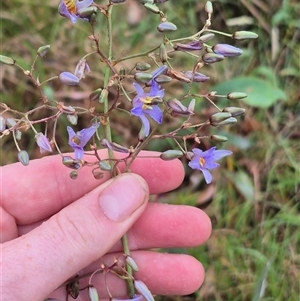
x=78 y=140
x=206 y=160
x=144 y=104
x=43 y=142
x=227 y=50
x=69 y=8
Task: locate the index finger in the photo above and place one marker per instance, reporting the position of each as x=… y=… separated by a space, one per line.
x=37 y=191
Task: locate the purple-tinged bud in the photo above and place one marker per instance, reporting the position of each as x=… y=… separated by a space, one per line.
x=228 y=121
x=152 y=7
x=103 y=96
x=72 y=118
x=166 y=27
x=114 y=146
x=210 y=58
x=69 y=162
x=178 y=109
x=43 y=143
x=7 y=60
x=244 y=35
x=161 y=70
x=216 y=118
x=171 y=155
x=73 y=175
x=81 y=69
x=205 y=38
x=163 y=79
x=209 y=7
x=236 y=95
x=95 y=94
x=2 y=124
x=69 y=79
x=93 y=294
x=163 y=55
x=141 y=66
x=141 y=287
x=227 y=50
x=43 y=50
x=143 y=77
x=23 y=157
x=218 y=138
x=196 y=76
x=87 y=11
x=235 y=111
x=191 y=46
x=131 y=262
x=191 y=106
x=178 y=75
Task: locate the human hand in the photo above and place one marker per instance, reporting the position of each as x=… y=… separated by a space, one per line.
x=53 y=227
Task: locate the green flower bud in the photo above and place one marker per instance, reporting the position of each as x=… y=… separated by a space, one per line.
x=166 y=27
x=244 y=35
x=228 y=121
x=219 y=138
x=95 y=94
x=236 y=95
x=216 y=118
x=206 y=37
x=152 y=7
x=7 y=60
x=72 y=119
x=23 y=157
x=132 y=263
x=143 y=77
x=105 y=166
x=141 y=66
x=235 y=111
x=73 y=175
x=43 y=50
x=93 y=294
x=163 y=79
x=69 y=162
x=209 y=7
x=122 y=71
x=163 y=53
x=171 y=154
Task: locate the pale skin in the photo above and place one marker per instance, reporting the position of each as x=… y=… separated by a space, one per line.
x=53 y=227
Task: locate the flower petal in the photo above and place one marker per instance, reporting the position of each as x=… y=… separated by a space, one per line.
x=155 y=113
x=207 y=176
x=218 y=154
x=146 y=124
x=139 y=90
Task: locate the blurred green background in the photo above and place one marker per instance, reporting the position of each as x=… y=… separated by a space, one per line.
x=253 y=253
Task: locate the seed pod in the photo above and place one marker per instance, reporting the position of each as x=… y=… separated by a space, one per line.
x=114 y=146
x=23 y=157
x=69 y=79
x=73 y=175
x=6 y=60
x=69 y=162
x=171 y=154
x=216 y=118
x=163 y=53
x=244 y=35
x=236 y=95
x=235 y=111
x=209 y=7
x=163 y=79
x=95 y=94
x=218 y=138
x=228 y=121
x=141 y=66
x=166 y=27
x=42 y=51
x=143 y=77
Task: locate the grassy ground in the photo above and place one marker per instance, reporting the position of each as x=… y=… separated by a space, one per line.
x=253 y=253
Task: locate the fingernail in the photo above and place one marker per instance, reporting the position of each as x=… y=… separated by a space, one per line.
x=125 y=194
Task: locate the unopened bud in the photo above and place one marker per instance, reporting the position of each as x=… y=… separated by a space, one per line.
x=73 y=175
x=141 y=66
x=7 y=60
x=228 y=121
x=122 y=71
x=227 y=50
x=235 y=111
x=205 y=38
x=87 y=11
x=196 y=76
x=211 y=58
x=218 y=138
x=171 y=154
x=163 y=79
x=209 y=7
x=191 y=46
x=93 y=294
x=166 y=27
x=143 y=77
x=98 y=174
x=244 y=35
x=141 y=287
x=72 y=119
x=95 y=94
x=130 y=261
x=236 y=95
x=105 y=166
x=103 y=96
x=23 y=157
x=216 y=118
x=42 y=51
x=69 y=79
x=152 y=7
x=69 y=162
x=2 y=124
x=163 y=55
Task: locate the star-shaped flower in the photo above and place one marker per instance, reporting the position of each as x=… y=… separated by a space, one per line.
x=204 y=161
x=78 y=140
x=70 y=8
x=145 y=104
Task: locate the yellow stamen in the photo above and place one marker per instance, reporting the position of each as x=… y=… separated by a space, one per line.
x=201 y=161
x=71 y=6
x=76 y=140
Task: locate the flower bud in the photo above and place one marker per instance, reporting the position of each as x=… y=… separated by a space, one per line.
x=211 y=58
x=226 y=50
x=205 y=38
x=141 y=66
x=163 y=79
x=163 y=55
x=218 y=138
x=228 y=121
x=87 y=11
x=166 y=27
x=191 y=46
x=122 y=71
x=216 y=118
x=69 y=79
x=171 y=154
x=2 y=124
x=73 y=175
x=23 y=157
x=235 y=111
x=143 y=77
x=97 y=174
x=209 y=7
x=152 y=7
x=69 y=162
x=130 y=261
x=178 y=109
x=141 y=287
x=42 y=51
x=105 y=166
x=6 y=60
x=191 y=106
x=95 y=94
x=103 y=96
x=236 y=95
x=72 y=118
x=93 y=294
x=196 y=76
x=81 y=69
x=243 y=35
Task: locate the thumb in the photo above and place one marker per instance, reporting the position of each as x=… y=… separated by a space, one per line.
x=72 y=239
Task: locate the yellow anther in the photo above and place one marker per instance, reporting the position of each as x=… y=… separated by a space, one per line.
x=71 y=6
x=201 y=161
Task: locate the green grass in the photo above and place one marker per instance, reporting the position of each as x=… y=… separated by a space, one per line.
x=254 y=205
